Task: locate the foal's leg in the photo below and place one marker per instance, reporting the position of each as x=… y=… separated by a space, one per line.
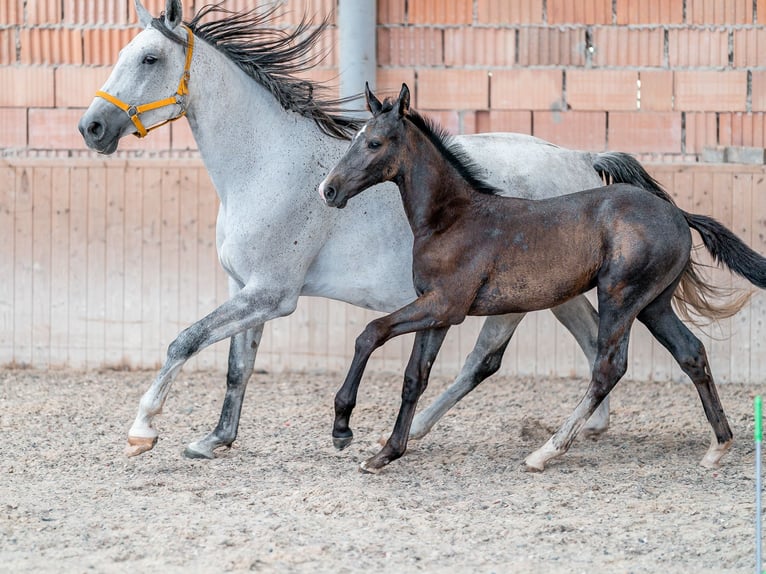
x=483 y=361
x=690 y=354
x=610 y=365
x=242 y=351
x=424 y=351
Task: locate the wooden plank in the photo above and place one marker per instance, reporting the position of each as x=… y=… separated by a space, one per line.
x=41 y=267
x=545 y=352
x=8 y=181
x=132 y=331
x=23 y=256
x=524 y=347
x=60 y=254
x=758 y=303
x=170 y=250
x=742 y=213
x=187 y=258
x=114 y=267
x=78 y=267
x=151 y=344
x=336 y=335
x=96 y=261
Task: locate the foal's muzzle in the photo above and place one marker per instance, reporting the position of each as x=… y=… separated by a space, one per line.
x=332 y=196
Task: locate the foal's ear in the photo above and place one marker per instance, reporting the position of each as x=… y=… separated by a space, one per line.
x=404 y=100
x=173 y=14
x=143 y=14
x=373 y=103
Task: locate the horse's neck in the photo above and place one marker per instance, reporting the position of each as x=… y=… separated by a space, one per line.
x=240 y=128
x=431 y=186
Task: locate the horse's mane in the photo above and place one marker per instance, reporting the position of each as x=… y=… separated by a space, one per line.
x=444 y=142
x=273 y=57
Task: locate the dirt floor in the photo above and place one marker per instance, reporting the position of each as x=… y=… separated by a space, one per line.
x=282 y=500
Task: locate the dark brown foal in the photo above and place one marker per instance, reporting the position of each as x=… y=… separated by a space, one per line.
x=478 y=253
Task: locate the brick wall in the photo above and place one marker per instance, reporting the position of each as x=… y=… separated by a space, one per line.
x=660 y=78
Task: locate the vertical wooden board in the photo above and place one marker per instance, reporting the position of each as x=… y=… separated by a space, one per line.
x=7 y=262
x=60 y=253
x=449 y=359
x=468 y=334
x=22 y=254
x=741 y=344
x=640 y=365
x=41 y=267
x=78 y=266
x=132 y=332
x=114 y=268
x=187 y=260
x=151 y=256
x=170 y=252
x=546 y=345
x=524 y=347
x=566 y=347
x=96 y=328
x=336 y=334
x=208 y=267
x=300 y=336
x=319 y=340
x=758 y=303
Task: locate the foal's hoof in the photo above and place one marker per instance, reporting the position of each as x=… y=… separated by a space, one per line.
x=341 y=442
x=139 y=445
x=713 y=456
x=372 y=466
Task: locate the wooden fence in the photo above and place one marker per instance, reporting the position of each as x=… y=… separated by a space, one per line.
x=105 y=261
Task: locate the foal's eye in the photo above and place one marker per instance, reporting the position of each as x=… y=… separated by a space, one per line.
x=373 y=144
x=149 y=59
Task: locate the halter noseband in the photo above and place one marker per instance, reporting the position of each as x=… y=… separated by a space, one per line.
x=178 y=99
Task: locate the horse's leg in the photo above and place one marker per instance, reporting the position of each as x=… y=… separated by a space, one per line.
x=610 y=365
x=245 y=310
x=690 y=354
x=482 y=361
x=581 y=319
x=424 y=351
x=242 y=351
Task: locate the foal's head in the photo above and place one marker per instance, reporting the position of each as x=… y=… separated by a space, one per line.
x=376 y=153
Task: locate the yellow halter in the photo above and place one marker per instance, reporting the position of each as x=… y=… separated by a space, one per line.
x=178 y=99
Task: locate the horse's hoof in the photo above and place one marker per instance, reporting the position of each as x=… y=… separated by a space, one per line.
x=342 y=442
x=713 y=456
x=139 y=445
x=532 y=465
x=368 y=467
x=195 y=451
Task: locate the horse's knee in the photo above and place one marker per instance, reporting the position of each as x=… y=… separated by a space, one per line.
x=693 y=361
x=369 y=339
x=186 y=345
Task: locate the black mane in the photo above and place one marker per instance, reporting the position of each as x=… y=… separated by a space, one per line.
x=273 y=57
x=455 y=155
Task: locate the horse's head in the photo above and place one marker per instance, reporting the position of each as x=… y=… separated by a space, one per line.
x=375 y=154
x=148 y=85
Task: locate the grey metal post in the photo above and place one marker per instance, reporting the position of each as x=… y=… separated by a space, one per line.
x=356 y=30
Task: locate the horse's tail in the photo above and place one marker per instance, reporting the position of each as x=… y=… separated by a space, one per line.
x=693 y=292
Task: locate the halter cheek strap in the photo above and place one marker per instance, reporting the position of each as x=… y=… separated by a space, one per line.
x=179 y=98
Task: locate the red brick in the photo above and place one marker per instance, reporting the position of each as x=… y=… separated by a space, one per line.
x=705 y=90
x=409 y=46
x=54 y=129
x=102 y=46
x=526 y=89
x=50 y=46
x=719 y=12
x=648 y=132
x=452 y=89
x=749 y=45
x=389 y=81
x=548 y=46
x=76 y=85
x=620 y=46
x=14 y=132
x=760 y=8
x=694 y=48
x=505 y=12
x=11 y=12
x=26 y=86
x=602 y=89
x=577 y=130
x=743 y=129
x=504 y=121
x=391 y=11
x=656 y=90
x=7 y=47
x=479 y=47
x=181 y=137
x=650 y=12
x=440 y=12
x=293 y=12
x=448 y=119
x=580 y=12
x=43 y=11
x=701 y=131
x=758 y=94
x=96 y=12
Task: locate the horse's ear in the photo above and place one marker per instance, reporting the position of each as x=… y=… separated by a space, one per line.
x=143 y=14
x=173 y=13
x=373 y=103
x=404 y=100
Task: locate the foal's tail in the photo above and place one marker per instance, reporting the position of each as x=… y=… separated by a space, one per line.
x=693 y=291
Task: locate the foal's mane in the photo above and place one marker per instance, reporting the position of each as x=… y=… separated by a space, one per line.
x=273 y=57
x=450 y=150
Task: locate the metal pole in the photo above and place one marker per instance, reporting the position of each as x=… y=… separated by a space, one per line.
x=356 y=29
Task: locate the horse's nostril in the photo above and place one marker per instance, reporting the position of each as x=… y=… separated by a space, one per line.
x=95 y=129
x=330 y=192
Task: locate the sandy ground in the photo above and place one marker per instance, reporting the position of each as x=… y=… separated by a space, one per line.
x=282 y=500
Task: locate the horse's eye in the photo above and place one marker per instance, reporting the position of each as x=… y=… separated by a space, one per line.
x=373 y=144
x=149 y=59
